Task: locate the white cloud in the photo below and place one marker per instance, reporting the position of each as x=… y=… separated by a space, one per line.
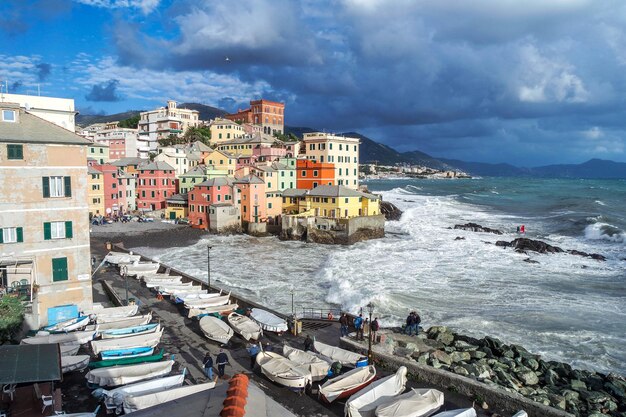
x=146 y=6
x=19 y=68
x=593 y=133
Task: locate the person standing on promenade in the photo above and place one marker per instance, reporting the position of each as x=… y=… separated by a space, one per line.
x=343 y=321
x=408 y=328
x=208 y=366
x=308 y=344
x=222 y=361
x=358 y=325
x=374 y=328
x=418 y=320
x=253 y=350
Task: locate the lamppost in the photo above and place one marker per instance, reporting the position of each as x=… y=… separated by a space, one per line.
x=125 y=275
x=209 y=247
x=370 y=357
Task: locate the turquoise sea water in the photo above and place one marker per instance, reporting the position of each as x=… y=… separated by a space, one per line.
x=564 y=307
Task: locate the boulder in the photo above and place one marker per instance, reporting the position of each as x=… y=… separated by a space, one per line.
x=390 y=211
x=460 y=357
x=463 y=346
x=474 y=227
x=459 y=370
x=441 y=357
x=477 y=354
x=435 y=344
x=570 y=395
x=595 y=256
x=531 y=363
x=557 y=401
x=528 y=377
x=550 y=377
x=615 y=390
x=494 y=344
x=577 y=385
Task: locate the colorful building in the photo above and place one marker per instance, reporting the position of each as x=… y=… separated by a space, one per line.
x=222 y=161
x=273 y=195
x=122 y=142
x=334 y=201
x=221 y=190
x=44 y=236
x=95 y=191
x=253 y=204
x=257 y=145
x=114 y=190
x=99 y=152
x=162 y=122
x=156 y=181
x=270 y=115
x=311 y=174
x=223 y=130
x=197 y=175
x=177 y=156
x=177 y=207
x=339 y=150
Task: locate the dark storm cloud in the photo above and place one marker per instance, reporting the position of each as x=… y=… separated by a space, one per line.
x=43 y=71
x=16 y=86
x=105 y=91
x=228 y=104
x=485 y=78
x=16 y=16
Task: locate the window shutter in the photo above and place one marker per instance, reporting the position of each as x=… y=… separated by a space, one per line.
x=47 y=231
x=68 y=186
x=46 y=186
x=68 y=230
x=1 y=236
x=20 y=234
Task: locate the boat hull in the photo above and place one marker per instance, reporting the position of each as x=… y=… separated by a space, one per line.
x=126 y=353
x=128 y=360
x=74 y=363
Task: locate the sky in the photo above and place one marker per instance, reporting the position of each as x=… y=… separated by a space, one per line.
x=528 y=82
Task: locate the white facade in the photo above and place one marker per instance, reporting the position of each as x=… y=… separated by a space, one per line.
x=122 y=142
x=338 y=150
x=59 y=111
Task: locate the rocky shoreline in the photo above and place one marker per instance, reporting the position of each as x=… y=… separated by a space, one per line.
x=512 y=368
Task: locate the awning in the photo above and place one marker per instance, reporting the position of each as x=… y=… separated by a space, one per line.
x=29 y=363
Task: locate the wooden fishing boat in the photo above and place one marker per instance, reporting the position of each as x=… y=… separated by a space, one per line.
x=122 y=375
x=135 y=402
x=74 y=363
x=196 y=296
x=245 y=326
x=130 y=331
x=208 y=302
x=281 y=370
x=269 y=321
x=122 y=322
x=71 y=338
x=215 y=329
x=347 y=384
x=116 y=258
x=68 y=325
x=415 y=403
x=309 y=361
x=143 y=340
x=364 y=402
x=163 y=286
x=461 y=412
x=141 y=268
x=336 y=354
x=115 y=354
x=84 y=414
x=128 y=360
x=202 y=312
x=104 y=315
x=69 y=349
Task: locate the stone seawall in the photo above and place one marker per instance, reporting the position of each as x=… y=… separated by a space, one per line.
x=327 y=230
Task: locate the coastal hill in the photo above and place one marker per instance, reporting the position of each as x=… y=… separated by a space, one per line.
x=375 y=152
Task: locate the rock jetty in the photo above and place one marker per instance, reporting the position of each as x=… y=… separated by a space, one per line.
x=390 y=211
x=474 y=227
x=523 y=245
x=512 y=368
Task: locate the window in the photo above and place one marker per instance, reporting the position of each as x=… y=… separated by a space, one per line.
x=315 y=173
x=57 y=186
x=152 y=194
x=15 y=151
x=304 y=173
x=269 y=205
x=8 y=115
x=59 y=269
x=346 y=200
x=57 y=230
x=11 y=235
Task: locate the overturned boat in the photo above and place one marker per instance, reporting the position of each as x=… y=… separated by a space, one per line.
x=135 y=402
x=317 y=367
x=208 y=302
x=116 y=258
x=72 y=338
x=347 y=384
x=281 y=370
x=141 y=268
x=245 y=326
x=269 y=321
x=122 y=322
x=215 y=329
x=122 y=375
x=104 y=315
x=365 y=402
x=74 y=363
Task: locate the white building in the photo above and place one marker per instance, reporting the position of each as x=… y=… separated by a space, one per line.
x=162 y=122
x=338 y=150
x=122 y=142
x=59 y=111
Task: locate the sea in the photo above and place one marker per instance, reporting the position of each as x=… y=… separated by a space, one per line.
x=564 y=307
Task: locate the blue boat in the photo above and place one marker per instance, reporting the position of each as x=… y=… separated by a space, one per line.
x=126 y=353
x=130 y=331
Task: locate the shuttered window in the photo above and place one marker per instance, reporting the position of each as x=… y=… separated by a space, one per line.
x=57 y=186
x=57 y=230
x=59 y=269
x=11 y=235
x=15 y=151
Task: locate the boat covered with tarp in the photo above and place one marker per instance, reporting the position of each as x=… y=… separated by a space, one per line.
x=143 y=340
x=245 y=326
x=135 y=402
x=201 y=312
x=344 y=385
x=337 y=354
x=122 y=375
x=309 y=361
x=215 y=329
x=74 y=363
x=269 y=321
x=364 y=402
x=418 y=402
x=281 y=370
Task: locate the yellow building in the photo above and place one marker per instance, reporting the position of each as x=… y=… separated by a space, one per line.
x=221 y=160
x=339 y=150
x=334 y=201
x=250 y=145
x=223 y=130
x=176 y=207
x=44 y=251
x=95 y=192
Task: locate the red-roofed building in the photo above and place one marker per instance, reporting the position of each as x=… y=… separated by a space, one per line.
x=269 y=114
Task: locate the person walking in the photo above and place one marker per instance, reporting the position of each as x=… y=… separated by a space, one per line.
x=308 y=344
x=343 y=321
x=253 y=350
x=358 y=325
x=222 y=361
x=374 y=328
x=208 y=366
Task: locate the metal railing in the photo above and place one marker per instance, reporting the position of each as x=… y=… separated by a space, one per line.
x=318 y=313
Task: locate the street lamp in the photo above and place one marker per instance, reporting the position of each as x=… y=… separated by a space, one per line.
x=209 y=247
x=370 y=357
x=124 y=271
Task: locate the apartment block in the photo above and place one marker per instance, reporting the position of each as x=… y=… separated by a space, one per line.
x=162 y=122
x=339 y=150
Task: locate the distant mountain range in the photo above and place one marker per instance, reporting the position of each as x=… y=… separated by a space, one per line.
x=375 y=152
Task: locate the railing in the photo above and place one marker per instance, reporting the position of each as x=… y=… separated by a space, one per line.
x=319 y=313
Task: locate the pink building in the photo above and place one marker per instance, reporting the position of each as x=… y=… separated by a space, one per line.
x=156 y=181
x=253 y=201
x=268 y=153
x=218 y=191
x=114 y=190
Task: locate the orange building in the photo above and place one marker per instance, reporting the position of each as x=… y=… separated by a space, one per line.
x=269 y=114
x=310 y=174
x=253 y=204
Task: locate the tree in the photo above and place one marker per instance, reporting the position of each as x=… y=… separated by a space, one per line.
x=130 y=123
x=11 y=317
x=290 y=137
x=198 y=134
x=172 y=139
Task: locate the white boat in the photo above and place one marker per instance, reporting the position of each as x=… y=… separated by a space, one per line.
x=104 y=315
x=74 y=363
x=347 y=384
x=198 y=296
x=162 y=286
x=281 y=370
x=142 y=268
x=130 y=331
x=194 y=312
x=144 y=340
x=121 y=258
x=309 y=361
x=364 y=402
x=215 y=329
x=69 y=349
x=415 y=403
x=462 y=412
x=84 y=414
x=122 y=322
x=127 y=374
x=72 y=338
x=208 y=302
x=135 y=402
x=521 y=413
x=69 y=325
x=114 y=399
x=336 y=354
x=192 y=290
x=245 y=326
x=161 y=277
x=269 y=321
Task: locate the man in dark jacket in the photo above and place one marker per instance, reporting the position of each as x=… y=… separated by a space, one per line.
x=374 y=329
x=253 y=350
x=343 y=321
x=409 y=323
x=308 y=344
x=358 y=325
x=222 y=361
x=208 y=366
